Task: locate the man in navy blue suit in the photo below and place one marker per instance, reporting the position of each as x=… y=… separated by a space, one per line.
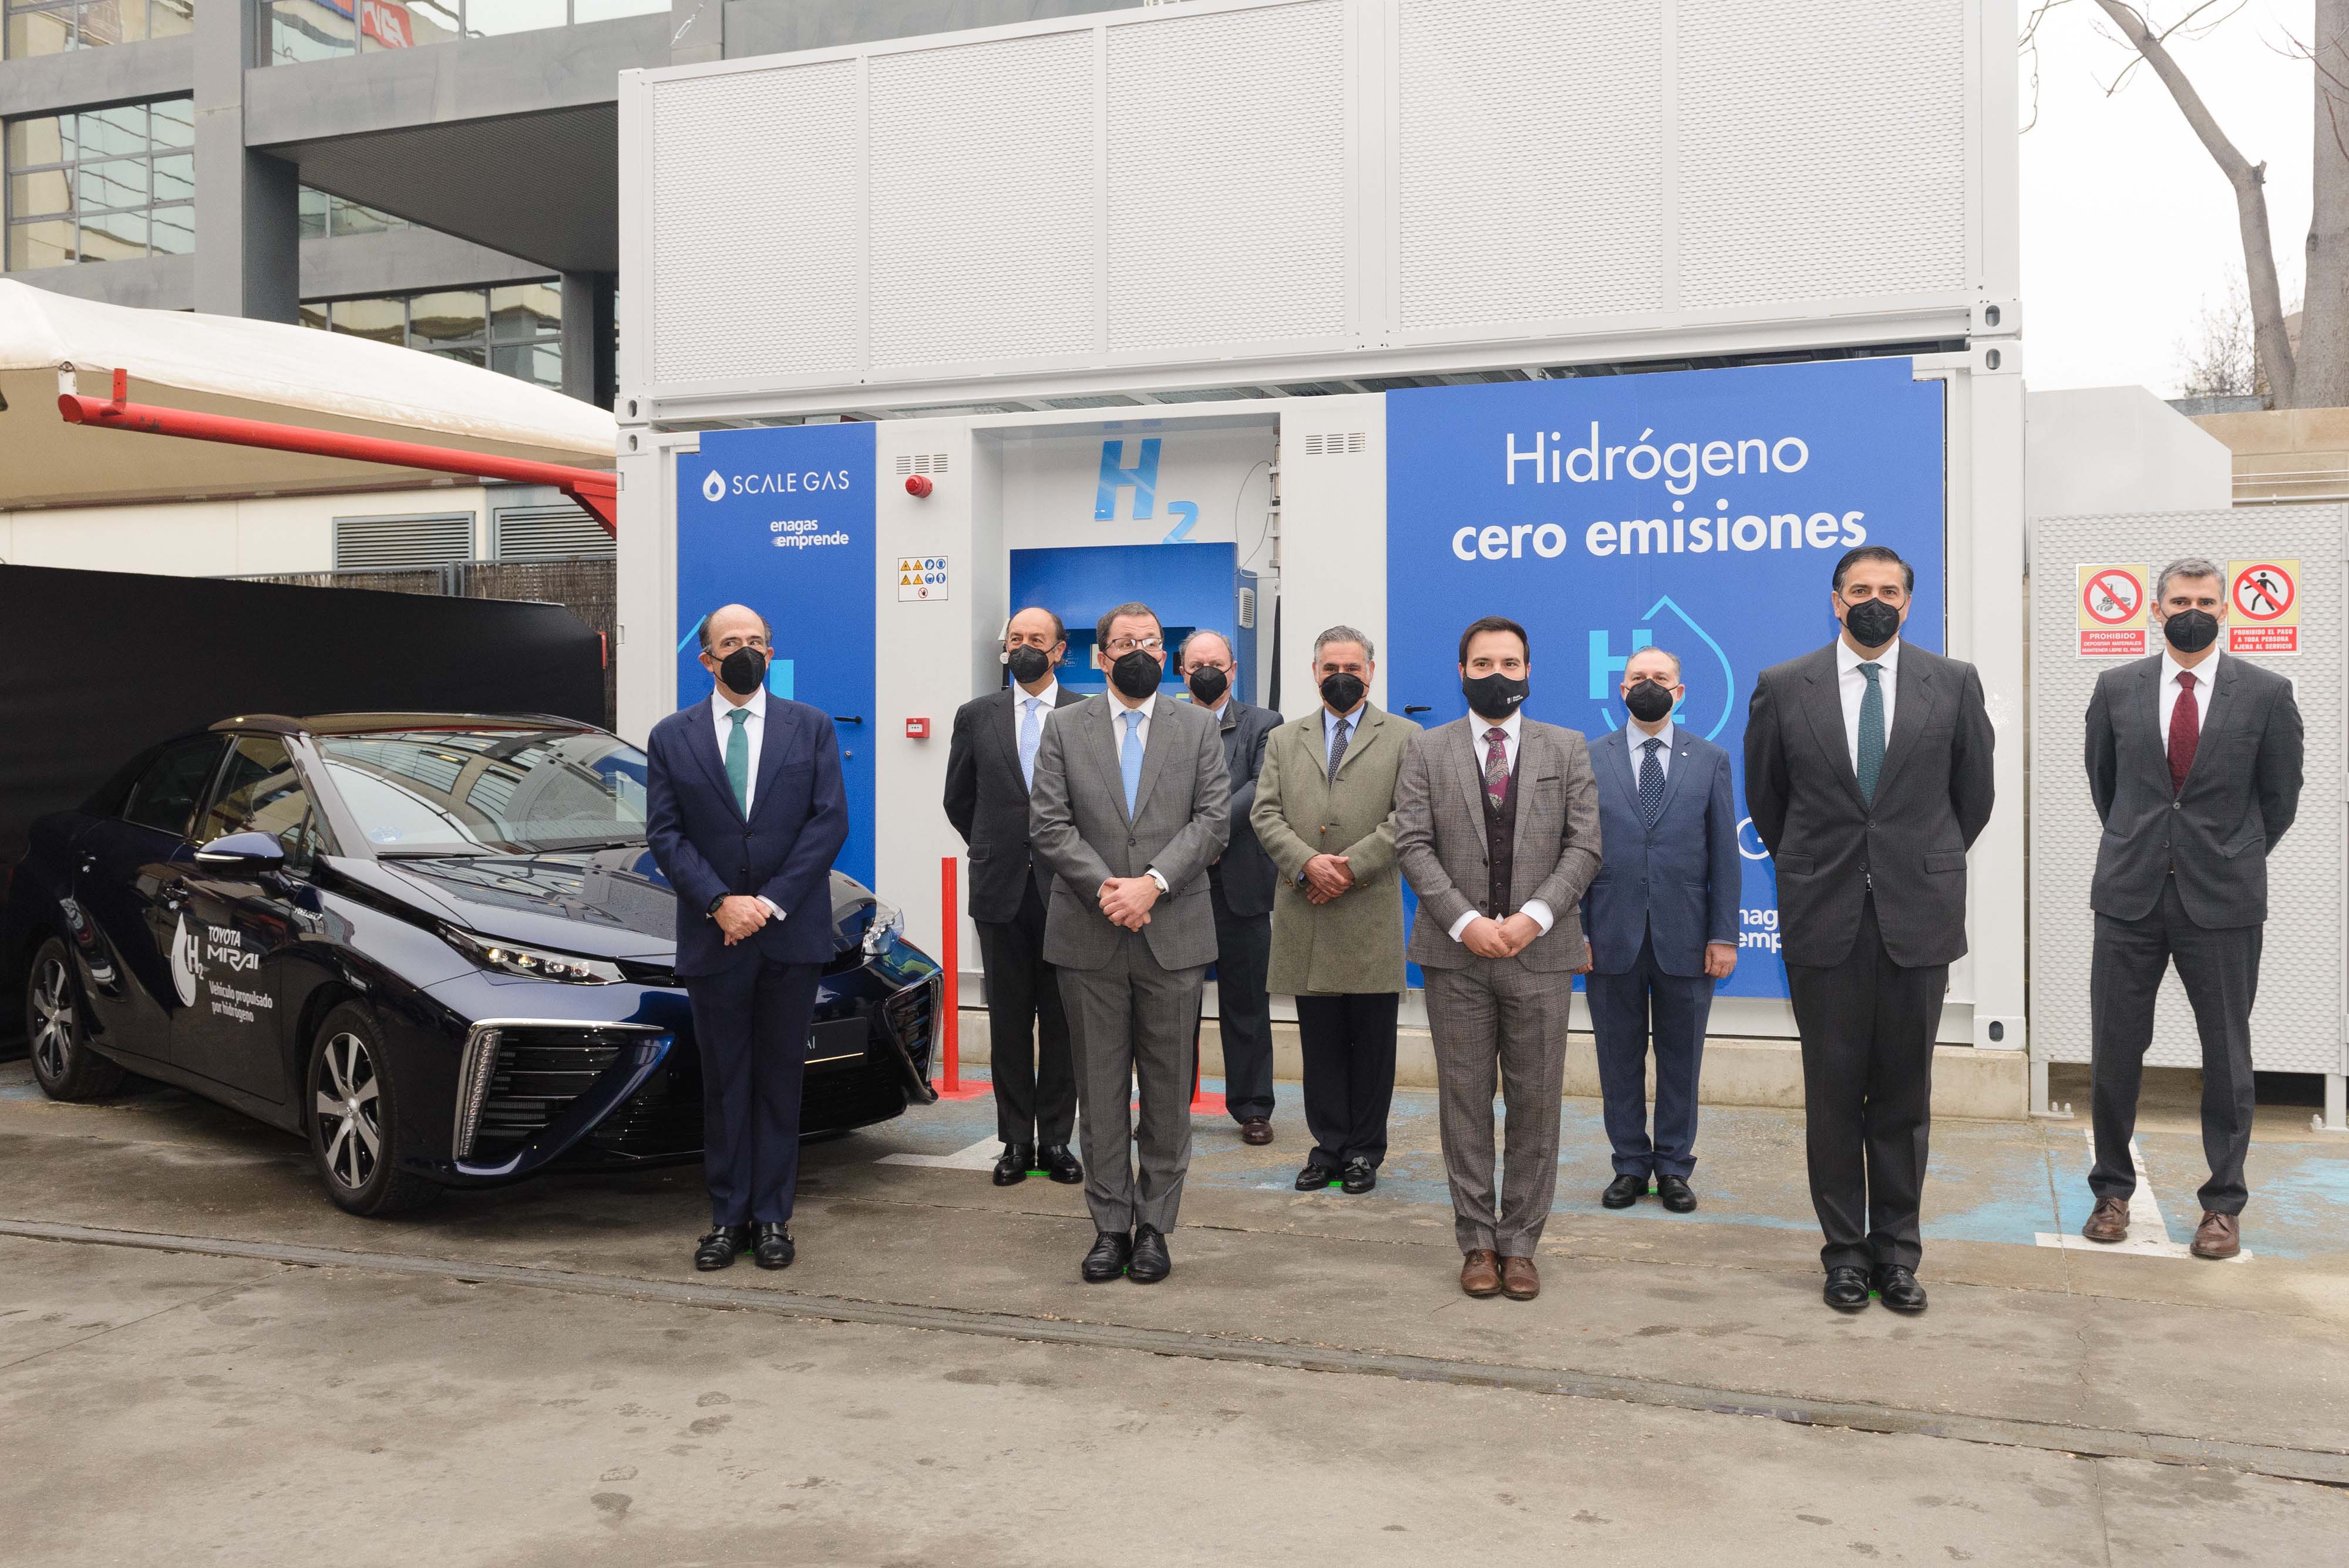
x=745 y=811
x=1662 y=918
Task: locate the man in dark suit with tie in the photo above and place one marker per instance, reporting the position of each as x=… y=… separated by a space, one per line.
x=1239 y=888
x=744 y=810
x=989 y=765
x=1662 y=918
x=1867 y=773
x=2194 y=762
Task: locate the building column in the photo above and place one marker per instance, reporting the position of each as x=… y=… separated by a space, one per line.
x=588 y=371
x=248 y=224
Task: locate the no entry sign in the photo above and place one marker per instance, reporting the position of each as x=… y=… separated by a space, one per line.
x=2112 y=610
x=2264 y=606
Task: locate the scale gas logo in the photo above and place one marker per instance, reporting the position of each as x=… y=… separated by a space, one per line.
x=716 y=486
x=184 y=962
x=713 y=488
x=1691 y=649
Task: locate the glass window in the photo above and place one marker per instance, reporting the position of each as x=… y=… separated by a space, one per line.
x=487 y=18
x=49 y=26
x=605 y=10
x=407 y=24
x=540 y=363
x=49 y=243
x=515 y=329
x=260 y=792
x=113 y=236
x=105 y=185
x=309 y=30
x=499 y=790
x=170 y=18
x=310 y=214
x=452 y=322
x=385 y=320
x=171 y=231
x=522 y=313
x=165 y=799
x=50 y=30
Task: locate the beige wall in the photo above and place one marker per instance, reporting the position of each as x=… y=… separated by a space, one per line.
x=218 y=538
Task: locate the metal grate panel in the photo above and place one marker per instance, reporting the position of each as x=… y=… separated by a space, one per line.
x=1518 y=202
x=1227 y=177
x=983 y=203
x=548 y=533
x=733 y=200
x=1775 y=203
x=396 y=544
x=2297 y=1027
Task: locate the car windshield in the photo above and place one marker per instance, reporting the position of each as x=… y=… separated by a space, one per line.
x=489 y=791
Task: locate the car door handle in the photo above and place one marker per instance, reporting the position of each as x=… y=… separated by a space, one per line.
x=176 y=898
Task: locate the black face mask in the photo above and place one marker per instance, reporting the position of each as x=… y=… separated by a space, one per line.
x=1872 y=623
x=1136 y=674
x=2191 y=631
x=1649 y=701
x=1495 y=697
x=1208 y=685
x=1028 y=664
x=742 y=671
x=1342 y=691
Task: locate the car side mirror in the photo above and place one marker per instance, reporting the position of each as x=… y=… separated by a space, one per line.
x=248 y=851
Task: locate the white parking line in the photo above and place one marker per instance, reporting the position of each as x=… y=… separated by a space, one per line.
x=2145 y=1220
x=979 y=1156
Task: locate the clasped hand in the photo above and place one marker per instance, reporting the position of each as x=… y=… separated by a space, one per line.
x=1326 y=876
x=740 y=917
x=1488 y=937
x=1127 y=900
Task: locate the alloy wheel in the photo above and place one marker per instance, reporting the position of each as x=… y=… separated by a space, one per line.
x=347 y=1106
x=53 y=1019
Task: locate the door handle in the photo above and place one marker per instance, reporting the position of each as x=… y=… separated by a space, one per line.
x=1411 y=707
x=848 y=719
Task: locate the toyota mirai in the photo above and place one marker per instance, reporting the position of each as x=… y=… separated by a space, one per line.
x=435 y=946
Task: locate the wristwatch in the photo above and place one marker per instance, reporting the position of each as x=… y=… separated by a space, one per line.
x=712 y=912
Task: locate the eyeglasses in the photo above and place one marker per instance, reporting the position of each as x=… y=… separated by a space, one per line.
x=729 y=644
x=1124 y=645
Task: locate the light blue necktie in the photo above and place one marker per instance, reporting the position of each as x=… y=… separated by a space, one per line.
x=1871 y=732
x=1129 y=758
x=738 y=758
x=1030 y=732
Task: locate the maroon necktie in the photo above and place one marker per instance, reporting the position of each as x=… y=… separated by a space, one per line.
x=2185 y=732
x=1496 y=767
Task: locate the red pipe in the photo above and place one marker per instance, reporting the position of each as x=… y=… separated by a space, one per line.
x=597 y=491
x=950 y=1002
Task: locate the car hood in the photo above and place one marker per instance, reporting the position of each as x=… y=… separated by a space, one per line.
x=605 y=903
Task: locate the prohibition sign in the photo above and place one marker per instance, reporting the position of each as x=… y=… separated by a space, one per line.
x=2264 y=592
x=2113 y=591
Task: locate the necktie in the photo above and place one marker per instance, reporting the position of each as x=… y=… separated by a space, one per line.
x=738 y=758
x=1652 y=781
x=1129 y=758
x=1871 y=731
x=1030 y=732
x=1496 y=767
x=2184 y=732
x=1337 y=747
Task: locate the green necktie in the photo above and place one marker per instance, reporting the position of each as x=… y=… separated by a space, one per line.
x=738 y=758
x=1871 y=732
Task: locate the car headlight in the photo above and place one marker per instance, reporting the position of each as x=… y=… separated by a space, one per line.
x=888 y=920
x=507 y=958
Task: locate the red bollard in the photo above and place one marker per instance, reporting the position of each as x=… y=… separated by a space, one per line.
x=1202 y=1103
x=950 y=994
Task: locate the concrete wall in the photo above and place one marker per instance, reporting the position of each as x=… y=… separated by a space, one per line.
x=2104 y=450
x=81 y=78
x=218 y=538
x=2285 y=454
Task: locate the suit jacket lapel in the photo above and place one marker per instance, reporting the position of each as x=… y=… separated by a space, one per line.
x=1914 y=692
x=774 y=746
x=1365 y=734
x=1472 y=768
x=1007 y=729
x=1103 y=734
x=701 y=740
x=1533 y=753
x=2222 y=673
x=2149 y=683
x=1673 y=768
x=1824 y=712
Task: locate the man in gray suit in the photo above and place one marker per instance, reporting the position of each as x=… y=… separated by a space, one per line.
x=1870 y=755
x=2194 y=762
x=1130 y=805
x=1496 y=828
x=1239 y=886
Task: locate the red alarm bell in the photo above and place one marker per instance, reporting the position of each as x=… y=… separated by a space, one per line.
x=919 y=486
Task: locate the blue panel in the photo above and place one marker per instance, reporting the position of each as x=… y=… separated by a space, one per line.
x=782 y=520
x=1513 y=499
x=1190 y=586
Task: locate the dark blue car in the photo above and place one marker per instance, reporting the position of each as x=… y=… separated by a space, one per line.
x=433 y=944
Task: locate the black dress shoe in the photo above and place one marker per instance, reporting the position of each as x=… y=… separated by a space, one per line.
x=1108 y=1258
x=1846 y=1289
x=773 y=1249
x=1011 y=1166
x=1624 y=1191
x=1897 y=1288
x=1060 y=1164
x=1150 y=1262
x=1314 y=1176
x=1674 y=1192
x=716 y=1249
x=1361 y=1176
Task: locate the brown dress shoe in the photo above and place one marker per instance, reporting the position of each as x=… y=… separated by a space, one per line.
x=1256 y=1130
x=2219 y=1236
x=1519 y=1281
x=1480 y=1273
x=2109 y=1223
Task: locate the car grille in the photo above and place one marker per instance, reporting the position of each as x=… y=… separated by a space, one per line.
x=536 y=1077
x=912 y=1012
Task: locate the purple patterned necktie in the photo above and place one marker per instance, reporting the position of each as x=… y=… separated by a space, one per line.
x=1496 y=767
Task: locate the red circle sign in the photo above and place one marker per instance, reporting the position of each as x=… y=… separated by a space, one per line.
x=2119 y=591
x=2264 y=592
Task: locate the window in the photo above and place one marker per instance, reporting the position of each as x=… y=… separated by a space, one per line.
x=515 y=329
x=399 y=544
x=325 y=29
x=165 y=799
x=260 y=792
x=105 y=185
x=325 y=216
x=53 y=26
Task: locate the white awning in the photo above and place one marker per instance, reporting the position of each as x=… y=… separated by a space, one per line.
x=255 y=370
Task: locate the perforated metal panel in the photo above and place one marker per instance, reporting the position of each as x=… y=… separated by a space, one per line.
x=1533 y=191
x=1776 y=102
x=2298 y=1025
x=985 y=214
x=1227 y=177
x=756 y=264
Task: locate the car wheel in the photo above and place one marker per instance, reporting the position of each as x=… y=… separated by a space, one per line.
x=355 y=1120
x=63 y=1062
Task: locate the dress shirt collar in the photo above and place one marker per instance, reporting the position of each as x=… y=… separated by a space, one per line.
x=1354 y=720
x=1219 y=710
x=1847 y=660
x=1050 y=696
x=1510 y=726
x=723 y=706
x=1637 y=738
x=1118 y=710
x=2203 y=673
